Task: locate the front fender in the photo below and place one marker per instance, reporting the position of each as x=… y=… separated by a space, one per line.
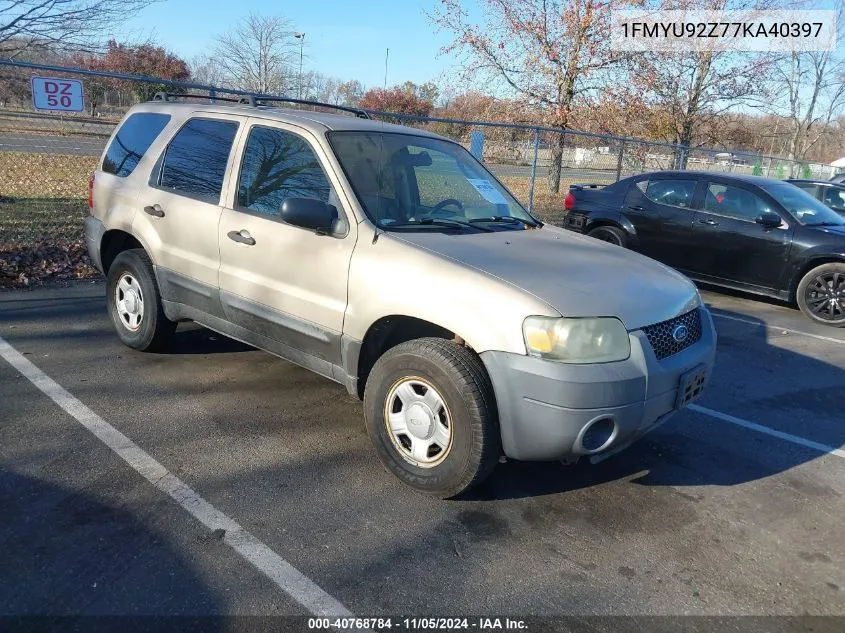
x=390 y=277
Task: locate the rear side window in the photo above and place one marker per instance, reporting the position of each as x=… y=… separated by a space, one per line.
x=195 y=161
x=132 y=141
x=678 y=193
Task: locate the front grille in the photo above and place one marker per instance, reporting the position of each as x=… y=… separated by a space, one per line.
x=662 y=335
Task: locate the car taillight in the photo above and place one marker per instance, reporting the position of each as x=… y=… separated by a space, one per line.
x=91 y=192
x=569 y=201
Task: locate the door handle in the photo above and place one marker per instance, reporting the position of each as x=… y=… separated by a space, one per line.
x=709 y=222
x=154 y=210
x=243 y=237
x=635 y=207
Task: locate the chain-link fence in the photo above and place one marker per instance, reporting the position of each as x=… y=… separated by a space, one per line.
x=47 y=157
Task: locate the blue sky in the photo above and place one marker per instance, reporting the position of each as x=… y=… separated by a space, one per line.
x=343 y=38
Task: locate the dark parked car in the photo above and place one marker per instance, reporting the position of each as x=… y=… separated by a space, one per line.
x=838 y=177
x=754 y=234
x=831 y=194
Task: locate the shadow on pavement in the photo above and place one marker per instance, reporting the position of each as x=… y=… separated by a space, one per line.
x=64 y=553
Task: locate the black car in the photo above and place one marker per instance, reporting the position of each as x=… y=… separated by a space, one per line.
x=755 y=234
x=830 y=193
x=838 y=177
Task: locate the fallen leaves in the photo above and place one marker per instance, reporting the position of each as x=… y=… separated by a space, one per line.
x=24 y=266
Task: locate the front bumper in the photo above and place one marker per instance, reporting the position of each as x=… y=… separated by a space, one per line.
x=545 y=407
x=94 y=230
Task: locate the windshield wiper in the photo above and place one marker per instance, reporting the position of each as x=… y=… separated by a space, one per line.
x=437 y=222
x=508 y=219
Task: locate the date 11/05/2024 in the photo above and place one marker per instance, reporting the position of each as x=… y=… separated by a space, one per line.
x=418 y=624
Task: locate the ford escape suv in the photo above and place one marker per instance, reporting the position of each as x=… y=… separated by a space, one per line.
x=390 y=260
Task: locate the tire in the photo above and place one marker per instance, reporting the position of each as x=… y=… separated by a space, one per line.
x=140 y=322
x=610 y=234
x=821 y=294
x=459 y=379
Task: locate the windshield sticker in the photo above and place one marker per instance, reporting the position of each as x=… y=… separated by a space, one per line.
x=487 y=190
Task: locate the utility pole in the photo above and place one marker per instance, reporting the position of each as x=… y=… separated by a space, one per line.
x=301 y=37
x=386 y=57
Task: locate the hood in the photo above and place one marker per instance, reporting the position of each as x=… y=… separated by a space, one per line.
x=578 y=276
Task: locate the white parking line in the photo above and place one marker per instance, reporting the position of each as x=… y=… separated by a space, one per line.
x=290 y=580
x=777 y=327
x=823 y=448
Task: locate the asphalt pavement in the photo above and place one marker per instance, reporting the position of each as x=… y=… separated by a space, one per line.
x=734 y=507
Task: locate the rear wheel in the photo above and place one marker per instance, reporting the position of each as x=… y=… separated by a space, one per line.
x=610 y=234
x=431 y=416
x=134 y=302
x=821 y=294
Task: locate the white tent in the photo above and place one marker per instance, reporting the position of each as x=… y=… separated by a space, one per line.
x=839 y=162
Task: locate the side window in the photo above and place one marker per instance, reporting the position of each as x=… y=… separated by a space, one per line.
x=132 y=140
x=809 y=187
x=278 y=165
x=194 y=162
x=834 y=198
x=733 y=202
x=677 y=193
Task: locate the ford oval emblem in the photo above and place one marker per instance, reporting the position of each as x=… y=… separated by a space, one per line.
x=680 y=333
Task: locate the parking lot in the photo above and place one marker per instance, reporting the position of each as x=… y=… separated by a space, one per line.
x=251 y=487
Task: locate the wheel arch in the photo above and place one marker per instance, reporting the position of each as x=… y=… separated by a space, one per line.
x=620 y=222
x=390 y=331
x=807 y=266
x=114 y=242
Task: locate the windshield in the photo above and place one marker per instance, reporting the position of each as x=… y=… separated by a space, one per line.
x=406 y=182
x=802 y=206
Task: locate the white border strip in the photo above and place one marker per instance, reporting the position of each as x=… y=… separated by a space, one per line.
x=777 y=327
x=290 y=580
x=823 y=448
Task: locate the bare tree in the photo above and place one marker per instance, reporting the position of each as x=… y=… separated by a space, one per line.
x=808 y=90
x=685 y=93
x=205 y=70
x=350 y=92
x=258 y=55
x=548 y=52
x=69 y=25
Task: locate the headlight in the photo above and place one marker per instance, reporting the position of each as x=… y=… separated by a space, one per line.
x=599 y=340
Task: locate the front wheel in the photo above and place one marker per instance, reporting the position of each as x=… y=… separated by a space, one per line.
x=134 y=302
x=431 y=415
x=821 y=294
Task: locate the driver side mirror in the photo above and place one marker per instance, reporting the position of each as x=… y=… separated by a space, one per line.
x=311 y=214
x=769 y=220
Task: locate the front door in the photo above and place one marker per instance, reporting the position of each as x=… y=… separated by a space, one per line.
x=730 y=245
x=282 y=282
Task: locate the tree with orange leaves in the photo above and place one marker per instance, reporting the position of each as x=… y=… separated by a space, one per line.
x=547 y=52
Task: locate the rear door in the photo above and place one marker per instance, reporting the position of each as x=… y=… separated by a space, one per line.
x=181 y=210
x=660 y=208
x=728 y=242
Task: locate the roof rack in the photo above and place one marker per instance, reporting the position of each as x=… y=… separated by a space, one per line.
x=172 y=96
x=255 y=101
x=261 y=100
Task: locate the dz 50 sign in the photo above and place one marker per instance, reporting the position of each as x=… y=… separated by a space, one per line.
x=50 y=93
